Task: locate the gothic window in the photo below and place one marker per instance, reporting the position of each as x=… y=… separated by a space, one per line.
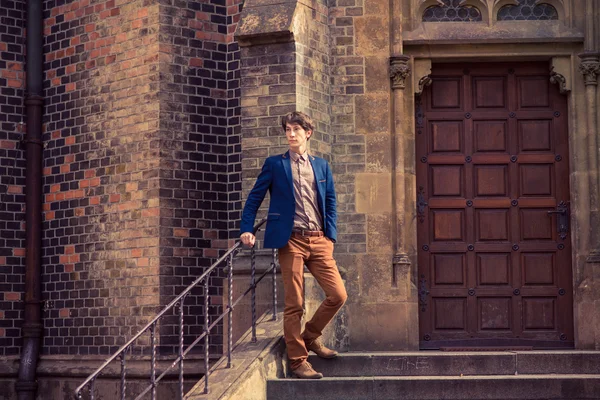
x=451 y=11
x=527 y=10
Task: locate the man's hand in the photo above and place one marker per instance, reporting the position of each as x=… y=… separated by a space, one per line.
x=248 y=239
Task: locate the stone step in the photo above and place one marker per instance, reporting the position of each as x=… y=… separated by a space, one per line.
x=441 y=363
x=477 y=387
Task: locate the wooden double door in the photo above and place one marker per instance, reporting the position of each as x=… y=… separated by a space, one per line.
x=493 y=208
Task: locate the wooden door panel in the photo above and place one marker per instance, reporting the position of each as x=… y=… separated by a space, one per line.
x=449 y=270
x=493 y=269
x=492 y=144
x=539 y=313
x=491 y=225
x=448 y=225
x=446 y=93
x=535 y=135
x=536 y=180
x=450 y=313
x=536 y=224
x=491 y=180
x=490 y=136
x=539 y=268
x=495 y=314
x=532 y=92
x=446 y=137
x=489 y=92
x=447 y=180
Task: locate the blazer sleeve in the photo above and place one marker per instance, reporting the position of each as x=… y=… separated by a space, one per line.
x=330 y=205
x=256 y=197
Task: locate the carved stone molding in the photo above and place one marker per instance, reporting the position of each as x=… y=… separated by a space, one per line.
x=424 y=81
x=560 y=73
x=593 y=257
x=560 y=80
x=399 y=71
x=590 y=67
x=400 y=258
x=400 y=263
x=421 y=75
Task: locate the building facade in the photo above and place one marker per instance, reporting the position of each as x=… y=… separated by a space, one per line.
x=463 y=136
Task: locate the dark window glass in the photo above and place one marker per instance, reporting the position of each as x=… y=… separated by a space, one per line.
x=452 y=11
x=527 y=10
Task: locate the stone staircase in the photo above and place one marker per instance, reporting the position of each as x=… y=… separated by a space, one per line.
x=434 y=375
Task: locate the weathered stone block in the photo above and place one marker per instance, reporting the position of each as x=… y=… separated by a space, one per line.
x=372 y=113
x=379 y=232
x=379 y=327
x=377 y=73
x=372 y=35
x=373 y=193
x=379 y=157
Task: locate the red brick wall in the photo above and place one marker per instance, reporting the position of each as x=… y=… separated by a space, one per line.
x=142 y=166
x=200 y=151
x=101 y=170
x=12 y=174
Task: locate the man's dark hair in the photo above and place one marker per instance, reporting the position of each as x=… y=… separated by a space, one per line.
x=298 y=117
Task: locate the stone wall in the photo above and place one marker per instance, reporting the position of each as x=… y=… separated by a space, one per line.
x=282 y=75
x=365 y=164
x=313 y=91
x=268 y=91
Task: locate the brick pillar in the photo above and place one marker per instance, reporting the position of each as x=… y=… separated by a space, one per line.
x=285 y=67
x=101 y=174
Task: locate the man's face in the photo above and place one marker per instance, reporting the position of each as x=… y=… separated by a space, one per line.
x=296 y=136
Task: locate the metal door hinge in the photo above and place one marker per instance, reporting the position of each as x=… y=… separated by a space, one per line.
x=421 y=204
x=423 y=293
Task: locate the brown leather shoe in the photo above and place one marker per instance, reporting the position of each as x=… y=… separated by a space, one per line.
x=306 y=371
x=319 y=348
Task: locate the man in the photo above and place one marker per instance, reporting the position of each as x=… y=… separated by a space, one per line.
x=302 y=224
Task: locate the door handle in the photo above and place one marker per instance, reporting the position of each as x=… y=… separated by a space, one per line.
x=562 y=219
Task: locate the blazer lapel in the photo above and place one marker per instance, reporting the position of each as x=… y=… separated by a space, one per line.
x=317 y=170
x=287 y=166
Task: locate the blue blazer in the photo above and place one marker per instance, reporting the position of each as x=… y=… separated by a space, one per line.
x=276 y=177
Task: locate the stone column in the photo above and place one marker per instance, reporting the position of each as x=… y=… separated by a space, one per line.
x=590 y=68
x=401 y=130
x=399 y=73
x=587 y=285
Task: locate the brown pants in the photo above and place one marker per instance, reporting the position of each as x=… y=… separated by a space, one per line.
x=317 y=254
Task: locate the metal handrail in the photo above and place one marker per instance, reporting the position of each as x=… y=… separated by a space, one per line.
x=151 y=326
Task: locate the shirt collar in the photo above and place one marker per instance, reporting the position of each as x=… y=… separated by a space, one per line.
x=295 y=156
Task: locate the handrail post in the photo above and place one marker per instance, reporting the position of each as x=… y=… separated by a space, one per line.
x=92 y=389
x=153 y=360
x=253 y=296
x=274 y=266
x=181 y=347
x=230 y=309
x=206 y=337
x=123 y=372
